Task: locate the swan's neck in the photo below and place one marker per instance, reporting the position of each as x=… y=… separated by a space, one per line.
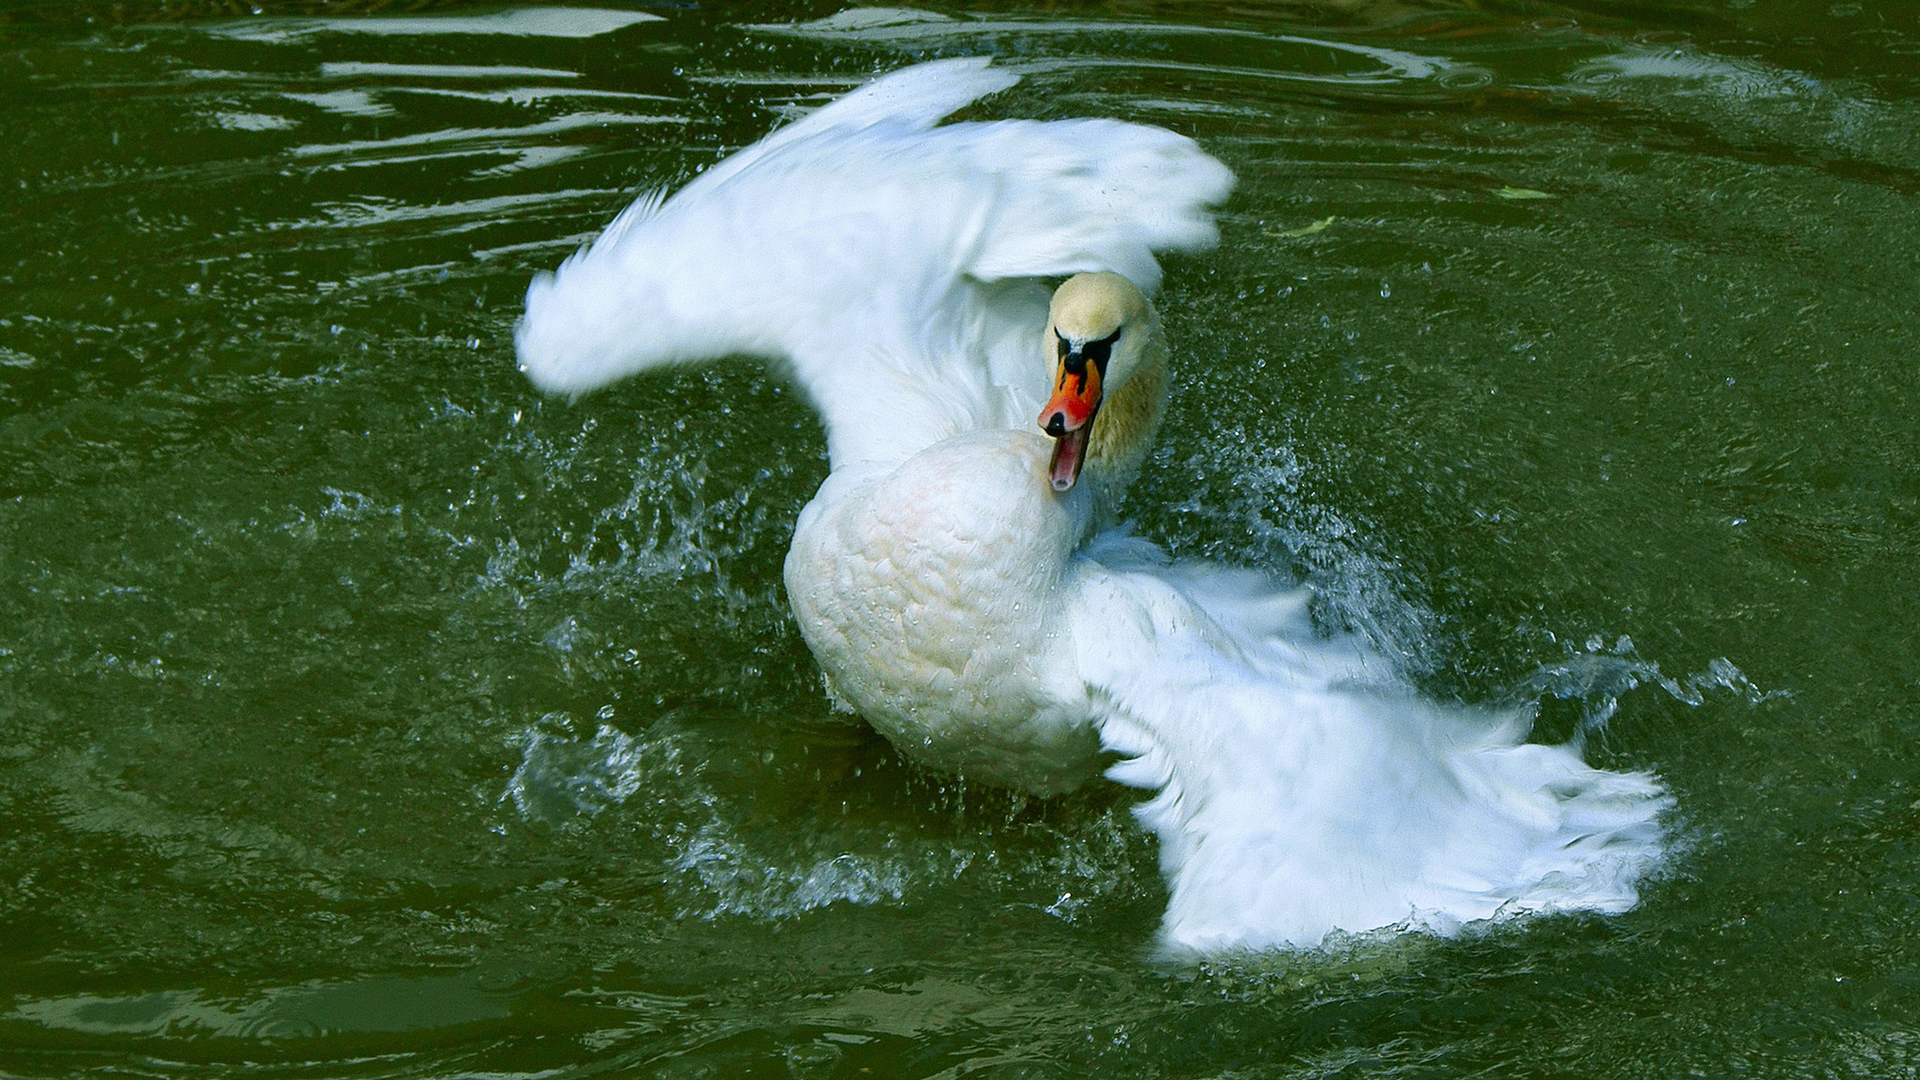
x=1123 y=432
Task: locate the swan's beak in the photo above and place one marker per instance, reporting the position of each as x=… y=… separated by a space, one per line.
x=1068 y=416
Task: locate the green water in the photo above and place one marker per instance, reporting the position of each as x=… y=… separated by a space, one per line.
x=362 y=714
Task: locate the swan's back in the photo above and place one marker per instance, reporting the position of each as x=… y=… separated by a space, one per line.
x=887 y=261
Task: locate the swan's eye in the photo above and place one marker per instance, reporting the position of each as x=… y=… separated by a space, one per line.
x=1101 y=351
x=1074 y=359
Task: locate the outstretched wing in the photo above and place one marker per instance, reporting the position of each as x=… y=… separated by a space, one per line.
x=1300 y=794
x=885 y=260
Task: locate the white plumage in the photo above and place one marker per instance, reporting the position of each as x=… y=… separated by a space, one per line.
x=982 y=620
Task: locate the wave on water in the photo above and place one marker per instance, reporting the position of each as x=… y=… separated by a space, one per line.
x=553 y=22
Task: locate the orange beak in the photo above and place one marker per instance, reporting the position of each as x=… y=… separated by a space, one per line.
x=1068 y=416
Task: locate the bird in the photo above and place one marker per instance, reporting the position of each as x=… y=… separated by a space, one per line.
x=964 y=575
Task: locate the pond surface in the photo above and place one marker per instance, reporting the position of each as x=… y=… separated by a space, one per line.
x=364 y=714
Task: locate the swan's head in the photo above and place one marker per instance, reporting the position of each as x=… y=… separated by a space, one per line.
x=1103 y=335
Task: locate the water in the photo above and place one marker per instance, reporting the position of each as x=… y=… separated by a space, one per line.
x=363 y=714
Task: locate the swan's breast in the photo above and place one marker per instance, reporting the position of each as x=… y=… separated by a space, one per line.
x=930 y=597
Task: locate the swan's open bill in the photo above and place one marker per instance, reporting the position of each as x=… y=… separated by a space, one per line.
x=952 y=576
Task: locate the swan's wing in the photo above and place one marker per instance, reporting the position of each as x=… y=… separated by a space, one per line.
x=885 y=260
x=914 y=98
x=1296 y=800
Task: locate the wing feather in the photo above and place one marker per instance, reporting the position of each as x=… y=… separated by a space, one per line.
x=883 y=259
x=1301 y=793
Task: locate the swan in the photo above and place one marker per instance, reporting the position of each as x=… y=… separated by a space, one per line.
x=962 y=577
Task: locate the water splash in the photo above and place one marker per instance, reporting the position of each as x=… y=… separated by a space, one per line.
x=1268 y=524
x=560 y=779
x=737 y=880
x=1599 y=675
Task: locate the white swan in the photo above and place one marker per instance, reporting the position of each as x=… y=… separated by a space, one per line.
x=952 y=576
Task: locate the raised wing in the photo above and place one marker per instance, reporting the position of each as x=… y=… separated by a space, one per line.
x=883 y=259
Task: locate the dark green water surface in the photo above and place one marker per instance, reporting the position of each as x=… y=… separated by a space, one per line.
x=363 y=714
